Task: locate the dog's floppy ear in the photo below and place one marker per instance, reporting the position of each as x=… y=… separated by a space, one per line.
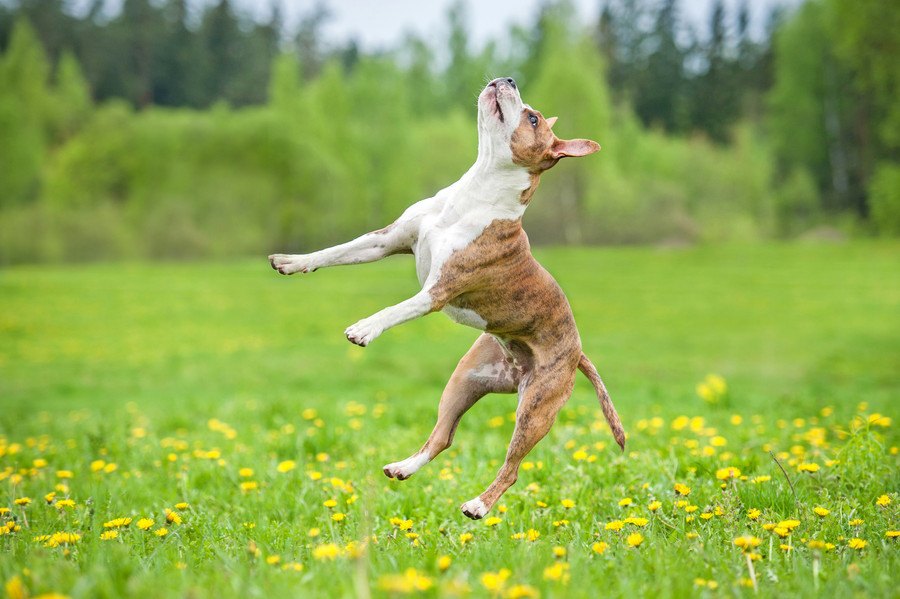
x=551 y=121
x=573 y=147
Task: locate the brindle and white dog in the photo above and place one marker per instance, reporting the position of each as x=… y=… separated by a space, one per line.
x=474 y=263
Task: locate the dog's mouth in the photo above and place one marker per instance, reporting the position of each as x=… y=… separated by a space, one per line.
x=498 y=107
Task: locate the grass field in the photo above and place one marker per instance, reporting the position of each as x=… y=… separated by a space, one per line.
x=224 y=399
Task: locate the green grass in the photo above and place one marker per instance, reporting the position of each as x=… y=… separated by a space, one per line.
x=138 y=365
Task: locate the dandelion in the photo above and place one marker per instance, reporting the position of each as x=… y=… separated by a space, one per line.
x=250 y=485
x=286 y=466
x=522 y=591
x=625 y=502
x=407 y=582
x=559 y=552
x=820 y=511
x=494 y=581
x=883 y=501
x=634 y=539
x=892 y=534
x=245 y=472
x=753 y=513
x=465 y=538
x=682 y=490
x=614 y=525
x=568 y=503
x=117 y=523
x=23 y=501
x=857 y=522
x=636 y=521
x=109 y=535
x=273 y=560
x=493 y=521
x=64 y=474
x=858 y=544
x=401 y=523
x=807 y=467
x=654 y=505
x=145 y=523
x=338 y=516
x=172 y=517
x=727 y=473
x=326 y=552
x=161 y=532
x=329 y=503
x=747 y=542
x=599 y=548
x=443 y=563
x=558 y=523
x=558 y=572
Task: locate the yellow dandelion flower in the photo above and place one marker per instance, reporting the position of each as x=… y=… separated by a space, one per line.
x=64 y=474
x=727 y=473
x=245 y=472
x=580 y=455
x=883 y=501
x=690 y=509
x=273 y=560
x=747 y=542
x=625 y=502
x=109 y=535
x=820 y=511
x=338 y=516
x=24 y=501
x=286 y=466
x=444 y=562
x=599 y=548
x=636 y=521
x=892 y=534
x=558 y=572
x=522 y=591
x=117 y=523
x=250 y=485
x=634 y=539
x=753 y=513
x=857 y=522
x=654 y=505
x=329 y=503
x=161 y=532
x=856 y=543
x=173 y=517
x=540 y=503
x=465 y=538
x=65 y=503
x=493 y=521
x=808 y=467
x=326 y=552
x=558 y=523
x=145 y=523
x=313 y=532
x=494 y=581
x=531 y=535
x=682 y=490
x=614 y=525
x=314 y=475
x=50 y=497
x=559 y=552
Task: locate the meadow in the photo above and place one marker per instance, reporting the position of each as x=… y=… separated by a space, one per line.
x=205 y=430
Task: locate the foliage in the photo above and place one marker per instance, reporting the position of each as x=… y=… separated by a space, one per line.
x=129 y=389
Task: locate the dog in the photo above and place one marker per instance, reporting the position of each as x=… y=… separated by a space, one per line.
x=474 y=263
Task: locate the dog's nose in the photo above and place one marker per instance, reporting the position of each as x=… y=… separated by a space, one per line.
x=503 y=81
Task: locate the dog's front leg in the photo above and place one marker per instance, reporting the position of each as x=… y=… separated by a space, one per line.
x=363 y=332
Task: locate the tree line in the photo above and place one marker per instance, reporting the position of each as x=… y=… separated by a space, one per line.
x=148 y=118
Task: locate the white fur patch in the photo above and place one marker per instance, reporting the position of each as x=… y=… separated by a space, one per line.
x=474 y=508
x=406 y=468
x=465 y=316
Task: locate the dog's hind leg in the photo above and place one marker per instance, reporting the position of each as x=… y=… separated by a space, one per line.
x=484 y=369
x=540 y=400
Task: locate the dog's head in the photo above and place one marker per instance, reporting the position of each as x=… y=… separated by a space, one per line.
x=510 y=130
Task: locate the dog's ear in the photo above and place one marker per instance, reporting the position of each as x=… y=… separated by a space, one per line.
x=551 y=121
x=573 y=147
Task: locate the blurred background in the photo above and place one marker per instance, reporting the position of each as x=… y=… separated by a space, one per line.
x=169 y=129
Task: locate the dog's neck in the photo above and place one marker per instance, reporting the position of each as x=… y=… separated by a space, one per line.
x=493 y=183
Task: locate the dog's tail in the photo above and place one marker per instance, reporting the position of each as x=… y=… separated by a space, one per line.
x=590 y=371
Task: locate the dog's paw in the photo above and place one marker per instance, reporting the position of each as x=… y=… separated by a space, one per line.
x=288 y=264
x=404 y=469
x=474 y=508
x=363 y=332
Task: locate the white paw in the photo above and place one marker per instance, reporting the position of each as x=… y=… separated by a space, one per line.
x=288 y=264
x=405 y=468
x=474 y=508
x=363 y=332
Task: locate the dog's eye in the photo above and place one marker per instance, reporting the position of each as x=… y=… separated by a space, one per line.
x=533 y=120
